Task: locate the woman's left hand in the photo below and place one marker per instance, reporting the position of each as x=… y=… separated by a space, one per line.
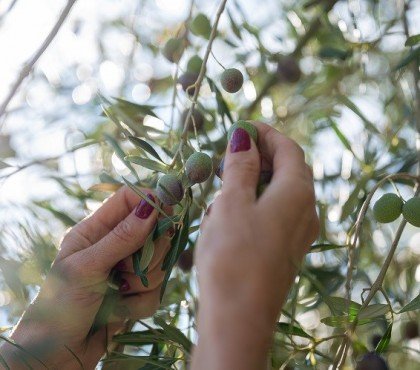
x=58 y=322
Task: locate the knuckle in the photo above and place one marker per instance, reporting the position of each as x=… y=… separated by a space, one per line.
x=124 y=231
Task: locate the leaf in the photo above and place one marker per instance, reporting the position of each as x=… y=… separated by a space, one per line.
x=145 y=146
x=412 y=306
x=164 y=225
x=140 y=338
x=142 y=274
x=134 y=108
x=148 y=251
x=351 y=203
x=325 y=247
x=63 y=217
x=341 y=136
x=413 y=40
x=179 y=243
x=222 y=107
x=373 y=310
x=234 y=27
x=120 y=153
x=83 y=145
x=143 y=196
x=104 y=177
x=174 y=334
x=105 y=187
x=384 y=342
x=286 y=328
x=410 y=57
x=147 y=163
x=349 y=104
x=329 y=52
x=341 y=321
x=3 y=165
x=338 y=306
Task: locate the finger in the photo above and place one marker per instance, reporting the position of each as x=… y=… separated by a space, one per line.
x=162 y=245
x=137 y=307
x=241 y=167
x=129 y=283
x=104 y=219
x=124 y=239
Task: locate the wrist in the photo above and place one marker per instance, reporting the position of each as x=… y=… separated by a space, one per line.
x=224 y=337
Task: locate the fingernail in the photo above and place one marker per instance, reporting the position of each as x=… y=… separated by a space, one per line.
x=240 y=142
x=144 y=209
x=121 y=311
x=120 y=266
x=208 y=210
x=124 y=285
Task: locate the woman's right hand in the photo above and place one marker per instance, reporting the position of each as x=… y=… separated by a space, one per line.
x=250 y=249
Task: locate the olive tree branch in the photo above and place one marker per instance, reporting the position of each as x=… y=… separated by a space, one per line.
x=312 y=30
x=416 y=77
x=199 y=81
x=29 y=65
x=377 y=285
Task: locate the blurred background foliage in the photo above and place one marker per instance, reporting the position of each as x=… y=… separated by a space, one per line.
x=354 y=107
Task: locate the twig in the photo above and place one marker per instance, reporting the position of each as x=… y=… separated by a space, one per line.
x=27 y=68
x=416 y=77
x=200 y=78
x=272 y=80
x=377 y=285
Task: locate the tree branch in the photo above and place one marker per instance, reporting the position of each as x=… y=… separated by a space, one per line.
x=28 y=66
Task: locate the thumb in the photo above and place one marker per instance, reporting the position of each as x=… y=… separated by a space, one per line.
x=241 y=167
x=126 y=238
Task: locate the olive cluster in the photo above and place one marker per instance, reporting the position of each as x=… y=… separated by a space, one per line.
x=170 y=188
x=390 y=206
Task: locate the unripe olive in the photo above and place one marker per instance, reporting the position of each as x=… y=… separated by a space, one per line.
x=248 y=127
x=288 y=70
x=194 y=64
x=200 y=26
x=411 y=211
x=388 y=208
x=411 y=330
x=187 y=81
x=196 y=119
x=169 y=189
x=371 y=361
x=173 y=49
x=232 y=80
x=198 y=167
x=186 y=260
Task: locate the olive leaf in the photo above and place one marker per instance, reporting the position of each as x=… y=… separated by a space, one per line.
x=145 y=146
x=148 y=251
x=384 y=342
x=147 y=163
x=412 y=306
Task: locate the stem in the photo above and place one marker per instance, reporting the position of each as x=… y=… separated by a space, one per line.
x=416 y=77
x=272 y=80
x=29 y=65
x=377 y=285
x=200 y=78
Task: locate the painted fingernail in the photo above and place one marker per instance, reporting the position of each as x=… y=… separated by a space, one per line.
x=144 y=209
x=124 y=286
x=120 y=266
x=121 y=311
x=240 y=142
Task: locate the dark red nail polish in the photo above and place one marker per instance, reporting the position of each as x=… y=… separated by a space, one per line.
x=124 y=286
x=208 y=210
x=120 y=266
x=240 y=142
x=144 y=209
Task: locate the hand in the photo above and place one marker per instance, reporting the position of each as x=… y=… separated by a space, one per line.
x=61 y=316
x=250 y=249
